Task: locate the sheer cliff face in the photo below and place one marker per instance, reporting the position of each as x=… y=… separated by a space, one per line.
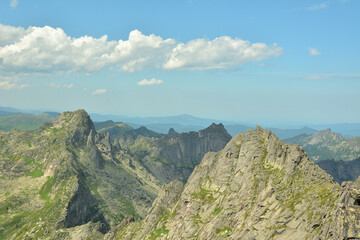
x=174 y=157
x=341 y=171
x=257 y=187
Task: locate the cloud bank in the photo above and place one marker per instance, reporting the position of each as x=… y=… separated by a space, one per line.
x=147 y=82
x=51 y=50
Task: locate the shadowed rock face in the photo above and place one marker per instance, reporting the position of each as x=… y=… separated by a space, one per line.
x=341 y=171
x=174 y=157
x=257 y=187
x=83 y=208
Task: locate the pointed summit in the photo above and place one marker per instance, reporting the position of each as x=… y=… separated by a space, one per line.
x=218 y=129
x=172 y=132
x=74 y=126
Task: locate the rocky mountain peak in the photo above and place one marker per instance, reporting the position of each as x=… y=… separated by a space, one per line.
x=75 y=127
x=258 y=187
x=76 y=119
x=219 y=129
x=172 y=132
x=326 y=137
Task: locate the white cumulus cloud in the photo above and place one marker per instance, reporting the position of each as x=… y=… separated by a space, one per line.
x=146 y=82
x=317 y=7
x=222 y=52
x=314 y=52
x=14 y=3
x=98 y=92
x=7 y=85
x=45 y=50
x=9 y=34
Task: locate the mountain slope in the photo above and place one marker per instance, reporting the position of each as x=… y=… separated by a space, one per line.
x=326 y=144
x=23 y=122
x=65 y=178
x=257 y=187
x=66 y=181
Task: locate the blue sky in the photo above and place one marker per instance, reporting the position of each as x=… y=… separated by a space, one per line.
x=247 y=61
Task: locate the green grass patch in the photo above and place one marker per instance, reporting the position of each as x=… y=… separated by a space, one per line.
x=36 y=173
x=158 y=233
x=159 y=159
x=223 y=230
x=217 y=211
x=196 y=219
x=203 y=195
x=46 y=189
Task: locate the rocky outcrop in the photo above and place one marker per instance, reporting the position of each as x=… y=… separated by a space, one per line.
x=76 y=127
x=341 y=171
x=346 y=224
x=257 y=187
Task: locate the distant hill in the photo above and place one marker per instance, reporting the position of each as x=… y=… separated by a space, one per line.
x=184 y=119
x=5 y=113
x=115 y=129
x=142 y=131
x=326 y=144
x=346 y=129
x=52 y=114
x=282 y=134
x=9 y=109
x=289 y=133
x=24 y=121
x=164 y=127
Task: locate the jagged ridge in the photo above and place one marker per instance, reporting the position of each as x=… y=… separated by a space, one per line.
x=258 y=187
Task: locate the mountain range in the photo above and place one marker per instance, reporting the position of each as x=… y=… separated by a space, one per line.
x=66 y=181
x=65 y=175
x=187 y=123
